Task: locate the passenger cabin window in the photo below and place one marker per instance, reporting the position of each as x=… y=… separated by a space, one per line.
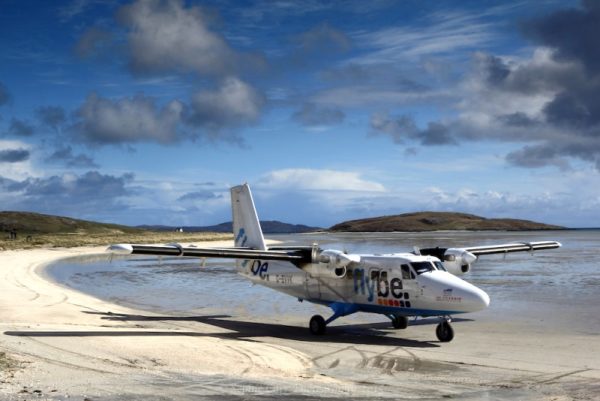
x=422 y=267
x=439 y=266
x=407 y=274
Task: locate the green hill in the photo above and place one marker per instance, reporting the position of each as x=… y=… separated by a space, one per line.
x=36 y=230
x=433 y=221
x=36 y=223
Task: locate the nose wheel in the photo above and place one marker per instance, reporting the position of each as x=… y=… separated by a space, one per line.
x=444 y=331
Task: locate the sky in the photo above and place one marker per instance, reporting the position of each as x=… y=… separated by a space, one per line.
x=148 y=111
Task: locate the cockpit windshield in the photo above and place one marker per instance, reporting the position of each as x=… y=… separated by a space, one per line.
x=423 y=267
x=440 y=266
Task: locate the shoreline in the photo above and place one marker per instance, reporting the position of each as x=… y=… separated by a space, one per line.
x=71 y=344
x=59 y=335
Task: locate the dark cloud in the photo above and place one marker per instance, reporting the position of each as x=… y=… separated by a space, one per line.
x=536 y=156
x=399 y=129
x=311 y=115
x=576 y=108
x=572 y=33
x=90 y=194
x=403 y=128
x=9 y=185
x=535 y=76
x=233 y=104
x=199 y=196
x=52 y=116
x=92 y=42
x=102 y=121
x=550 y=101
x=517 y=119
x=494 y=69
x=66 y=156
x=14 y=155
x=4 y=95
x=323 y=38
x=20 y=128
x=91 y=186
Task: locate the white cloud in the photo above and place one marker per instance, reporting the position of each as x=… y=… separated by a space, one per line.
x=232 y=104
x=136 y=119
x=318 y=180
x=165 y=35
x=442 y=33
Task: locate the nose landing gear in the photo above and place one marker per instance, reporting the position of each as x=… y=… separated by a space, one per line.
x=444 y=331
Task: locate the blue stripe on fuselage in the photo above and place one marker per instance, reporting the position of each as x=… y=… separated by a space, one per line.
x=391 y=310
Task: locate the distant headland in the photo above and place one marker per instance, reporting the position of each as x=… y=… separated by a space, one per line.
x=437 y=221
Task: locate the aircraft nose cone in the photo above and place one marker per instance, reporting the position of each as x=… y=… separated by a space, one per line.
x=478 y=299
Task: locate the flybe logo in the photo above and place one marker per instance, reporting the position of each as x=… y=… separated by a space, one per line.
x=260 y=269
x=241 y=238
x=379 y=285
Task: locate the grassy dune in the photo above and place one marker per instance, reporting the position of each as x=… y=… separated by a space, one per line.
x=36 y=230
x=82 y=239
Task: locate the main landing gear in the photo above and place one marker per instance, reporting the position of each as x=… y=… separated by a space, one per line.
x=399 y=322
x=444 y=331
x=318 y=324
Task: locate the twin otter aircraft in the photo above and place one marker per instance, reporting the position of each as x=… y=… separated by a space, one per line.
x=398 y=285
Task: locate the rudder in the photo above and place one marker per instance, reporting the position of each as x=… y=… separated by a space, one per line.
x=246 y=226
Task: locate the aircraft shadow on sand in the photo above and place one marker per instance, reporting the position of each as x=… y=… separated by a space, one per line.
x=364 y=334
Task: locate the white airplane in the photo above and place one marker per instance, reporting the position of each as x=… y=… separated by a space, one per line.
x=398 y=285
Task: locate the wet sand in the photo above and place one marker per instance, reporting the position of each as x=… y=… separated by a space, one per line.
x=71 y=344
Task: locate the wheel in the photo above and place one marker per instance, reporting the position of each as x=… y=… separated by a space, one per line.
x=317 y=325
x=444 y=332
x=400 y=322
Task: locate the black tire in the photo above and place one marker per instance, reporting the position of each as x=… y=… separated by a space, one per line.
x=317 y=325
x=444 y=332
x=400 y=322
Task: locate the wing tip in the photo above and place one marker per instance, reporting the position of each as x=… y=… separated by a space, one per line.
x=122 y=249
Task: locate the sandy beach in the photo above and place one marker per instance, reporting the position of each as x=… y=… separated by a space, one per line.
x=67 y=344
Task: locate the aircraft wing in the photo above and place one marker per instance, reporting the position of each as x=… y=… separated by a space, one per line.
x=290 y=255
x=514 y=247
x=458 y=260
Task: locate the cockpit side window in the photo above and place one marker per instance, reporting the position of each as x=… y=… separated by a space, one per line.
x=407 y=274
x=422 y=267
x=439 y=266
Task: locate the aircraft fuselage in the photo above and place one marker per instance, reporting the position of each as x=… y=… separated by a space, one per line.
x=394 y=284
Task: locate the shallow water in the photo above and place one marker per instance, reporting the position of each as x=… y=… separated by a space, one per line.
x=556 y=284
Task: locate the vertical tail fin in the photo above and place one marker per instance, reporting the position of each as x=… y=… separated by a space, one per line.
x=246 y=227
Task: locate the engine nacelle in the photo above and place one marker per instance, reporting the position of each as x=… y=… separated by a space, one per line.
x=330 y=263
x=458 y=261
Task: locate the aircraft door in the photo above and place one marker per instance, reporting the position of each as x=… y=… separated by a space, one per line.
x=313 y=287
